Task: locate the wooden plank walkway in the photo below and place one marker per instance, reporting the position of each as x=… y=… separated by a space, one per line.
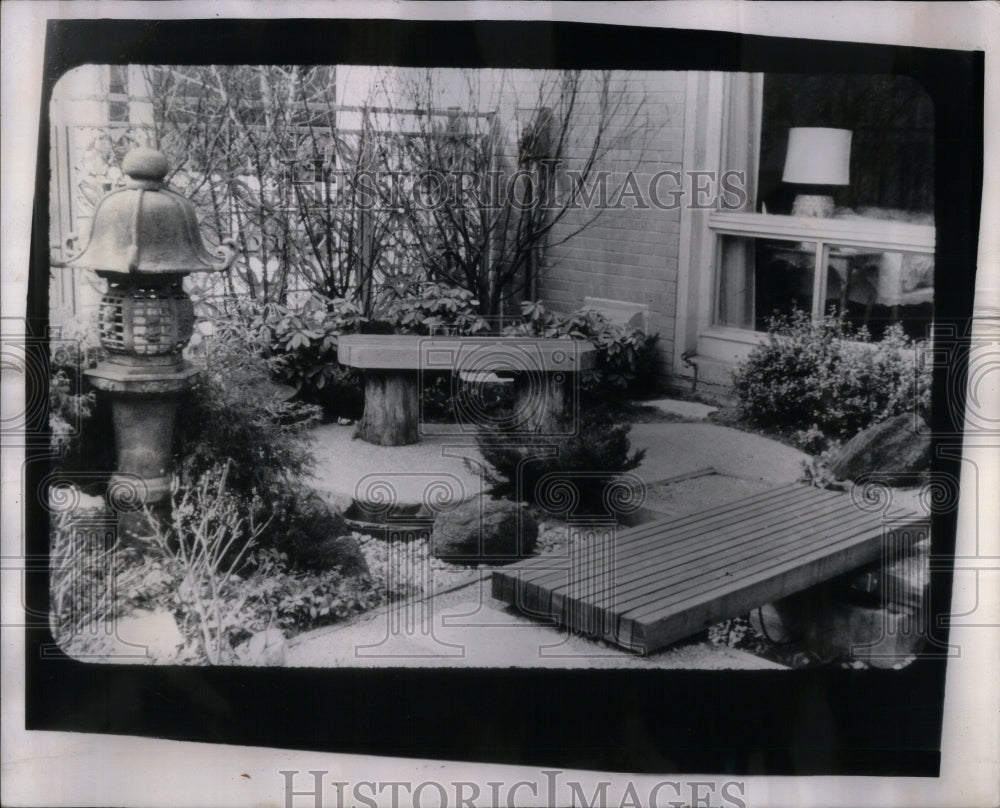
x=652 y=585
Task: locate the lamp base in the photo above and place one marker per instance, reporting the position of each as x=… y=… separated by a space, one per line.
x=813 y=205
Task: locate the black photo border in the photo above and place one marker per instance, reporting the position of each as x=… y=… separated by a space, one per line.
x=832 y=722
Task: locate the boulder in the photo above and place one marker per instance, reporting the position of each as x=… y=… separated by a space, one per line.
x=484 y=530
x=897 y=448
x=832 y=625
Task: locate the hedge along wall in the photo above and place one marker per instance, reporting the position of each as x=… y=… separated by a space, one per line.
x=630 y=254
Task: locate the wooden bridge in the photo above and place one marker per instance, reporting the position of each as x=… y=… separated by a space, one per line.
x=646 y=587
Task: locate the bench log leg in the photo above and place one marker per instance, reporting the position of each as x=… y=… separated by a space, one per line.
x=542 y=399
x=392 y=408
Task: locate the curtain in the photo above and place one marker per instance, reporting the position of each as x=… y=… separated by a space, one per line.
x=741 y=149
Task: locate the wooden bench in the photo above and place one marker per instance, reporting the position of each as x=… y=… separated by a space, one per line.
x=392 y=363
x=652 y=585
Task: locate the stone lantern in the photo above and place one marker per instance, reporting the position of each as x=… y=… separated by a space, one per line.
x=144 y=240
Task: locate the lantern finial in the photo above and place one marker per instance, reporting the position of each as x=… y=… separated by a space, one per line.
x=144 y=165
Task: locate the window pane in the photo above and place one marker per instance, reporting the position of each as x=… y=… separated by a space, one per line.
x=763 y=278
x=873 y=288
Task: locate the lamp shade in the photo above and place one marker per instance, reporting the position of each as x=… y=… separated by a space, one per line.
x=818 y=156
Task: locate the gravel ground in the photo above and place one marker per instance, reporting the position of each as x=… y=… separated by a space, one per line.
x=407 y=569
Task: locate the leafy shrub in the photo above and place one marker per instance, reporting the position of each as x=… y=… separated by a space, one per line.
x=587 y=460
x=820 y=382
x=417 y=306
x=216 y=608
x=225 y=587
x=91 y=584
x=626 y=357
x=236 y=415
x=302 y=343
x=69 y=409
x=79 y=419
x=296 y=600
x=311 y=533
x=228 y=587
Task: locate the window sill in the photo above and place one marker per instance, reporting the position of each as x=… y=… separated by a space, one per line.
x=884 y=235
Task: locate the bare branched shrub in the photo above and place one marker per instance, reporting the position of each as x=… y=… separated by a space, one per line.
x=210 y=533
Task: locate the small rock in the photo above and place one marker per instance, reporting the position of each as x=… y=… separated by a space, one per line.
x=71 y=498
x=897 y=448
x=153 y=634
x=483 y=528
x=266 y=647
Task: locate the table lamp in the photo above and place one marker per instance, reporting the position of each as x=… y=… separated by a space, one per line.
x=817 y=156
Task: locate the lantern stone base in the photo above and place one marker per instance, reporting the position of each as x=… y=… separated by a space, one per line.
x=143 y=410
x=145 y=378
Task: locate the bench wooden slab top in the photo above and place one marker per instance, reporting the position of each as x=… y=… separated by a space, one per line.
x=479 y=354
x=652 y=585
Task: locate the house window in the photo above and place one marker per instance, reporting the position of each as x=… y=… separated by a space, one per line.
x=118 y=101
x=871 y=262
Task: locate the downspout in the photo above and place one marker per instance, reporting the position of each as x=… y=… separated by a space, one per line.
x=688 y=358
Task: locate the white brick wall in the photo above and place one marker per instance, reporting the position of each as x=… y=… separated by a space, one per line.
x=629 y=254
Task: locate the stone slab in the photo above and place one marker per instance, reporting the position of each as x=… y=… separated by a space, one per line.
x=685 y=409
x=351 y=469
x=478 y=354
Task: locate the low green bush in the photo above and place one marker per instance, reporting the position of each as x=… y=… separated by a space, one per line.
x=523 y=468
x=820 y=382
x=297 y=600
x=236 y=414
x=219 y=585
x=302 y=344
x=627 y=363
x=415 y=306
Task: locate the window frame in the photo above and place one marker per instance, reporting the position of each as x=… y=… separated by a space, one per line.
x=884 y=235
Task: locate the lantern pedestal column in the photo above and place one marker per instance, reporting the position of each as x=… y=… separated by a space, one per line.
x=144 y=404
